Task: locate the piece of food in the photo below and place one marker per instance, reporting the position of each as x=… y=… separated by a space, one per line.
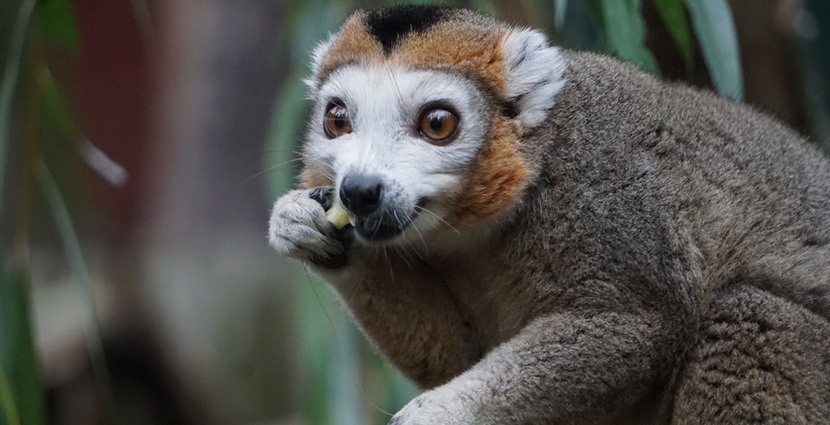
x=337 y=215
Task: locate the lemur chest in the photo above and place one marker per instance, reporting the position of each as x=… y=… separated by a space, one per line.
x=490 y=296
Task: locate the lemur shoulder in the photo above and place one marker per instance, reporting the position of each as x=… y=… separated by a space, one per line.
x=544 y=236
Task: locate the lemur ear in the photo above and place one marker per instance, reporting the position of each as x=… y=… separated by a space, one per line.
x=534 y=73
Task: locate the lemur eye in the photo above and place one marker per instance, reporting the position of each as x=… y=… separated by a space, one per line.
x=437 y=124
x=337 y=121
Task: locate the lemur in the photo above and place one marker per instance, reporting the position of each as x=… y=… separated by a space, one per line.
x=544 y=236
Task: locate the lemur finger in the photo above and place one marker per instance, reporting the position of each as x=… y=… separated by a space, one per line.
x=303 y=242
x=323 y=195
x=322 y=249
x=336 y=215
x=299 y=229
x=302 y=207
x=332 y=261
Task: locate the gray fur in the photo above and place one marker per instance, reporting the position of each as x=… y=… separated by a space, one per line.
x=667 y=264
x=299 y=228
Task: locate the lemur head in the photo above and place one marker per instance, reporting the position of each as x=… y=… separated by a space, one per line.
x=418 y=115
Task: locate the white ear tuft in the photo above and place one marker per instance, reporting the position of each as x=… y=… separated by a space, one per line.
x=534 y=74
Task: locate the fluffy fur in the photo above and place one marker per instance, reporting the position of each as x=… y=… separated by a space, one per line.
x=604 y=247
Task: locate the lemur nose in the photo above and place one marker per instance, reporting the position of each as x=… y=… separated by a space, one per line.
x=361 y=193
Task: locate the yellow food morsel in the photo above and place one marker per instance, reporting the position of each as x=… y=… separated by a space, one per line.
x=337 y=216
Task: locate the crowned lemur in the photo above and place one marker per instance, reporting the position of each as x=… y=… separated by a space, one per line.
x=541 y=236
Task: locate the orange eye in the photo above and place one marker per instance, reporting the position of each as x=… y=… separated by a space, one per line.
x=337 y=121
x=437 y=124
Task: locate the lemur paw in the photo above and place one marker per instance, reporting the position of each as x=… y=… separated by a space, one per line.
x=435 y=407
x=298 y=228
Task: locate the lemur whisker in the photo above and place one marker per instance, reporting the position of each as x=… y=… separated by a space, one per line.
x=414 y=249
x=275 y=167
x=420 y=235
x=389 y=262
x=401 y=224
x=394 y=82
x=378 y=251
x=381 y=410
x=319 y=155
x=403 y=255
x=441 y=219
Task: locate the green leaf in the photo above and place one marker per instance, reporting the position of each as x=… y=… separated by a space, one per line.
x=18 y=362
x=715 y=32
x=674 y=18
x=487 y=6
x=58 y=22
x=80 y=274
x=56 y=110
x=9 y=81
x=560 y=8
x=310 y=22
x=625 y=32
x=581 y=27
x=396 y=390
x=284 y=134
x=344 y=392
x=595 y=6
x=9 y=411
x=314 y=343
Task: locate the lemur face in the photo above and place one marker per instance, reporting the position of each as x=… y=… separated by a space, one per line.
x=398 y=143
x=418 y=116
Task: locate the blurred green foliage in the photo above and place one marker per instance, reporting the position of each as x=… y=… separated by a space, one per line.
x=21 y=392
x=57 y=22
x=624 y=31
x=716 y=34
x=674 y=17
x=21 y=395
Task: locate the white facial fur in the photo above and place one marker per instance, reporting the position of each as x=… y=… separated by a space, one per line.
x=384 y=105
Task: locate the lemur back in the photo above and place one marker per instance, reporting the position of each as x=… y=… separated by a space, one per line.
x=549 y=237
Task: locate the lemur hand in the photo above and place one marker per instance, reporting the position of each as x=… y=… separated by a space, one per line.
x=298 y=228
x=442 y=405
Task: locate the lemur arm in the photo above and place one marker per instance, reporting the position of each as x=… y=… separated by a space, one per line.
x=559 y=366
x=408 y=313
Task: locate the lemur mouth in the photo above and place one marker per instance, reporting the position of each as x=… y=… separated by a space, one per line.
x=378 y=228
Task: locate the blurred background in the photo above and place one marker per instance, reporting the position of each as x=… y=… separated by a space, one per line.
x=142 y=143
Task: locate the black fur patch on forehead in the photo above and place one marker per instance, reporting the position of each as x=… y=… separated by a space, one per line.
x=388 y=25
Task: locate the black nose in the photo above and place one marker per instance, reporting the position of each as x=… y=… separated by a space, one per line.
x=361 y=193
